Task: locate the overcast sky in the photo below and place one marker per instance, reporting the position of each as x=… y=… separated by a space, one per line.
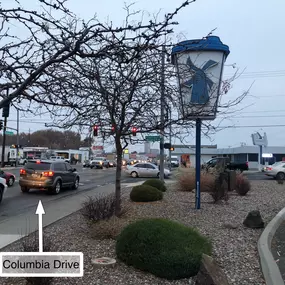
x=253 y=30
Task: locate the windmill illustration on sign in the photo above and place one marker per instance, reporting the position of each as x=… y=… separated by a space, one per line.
x=200 y=84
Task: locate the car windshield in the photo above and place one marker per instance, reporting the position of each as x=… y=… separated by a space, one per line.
x=38 y=166
x=278 y=163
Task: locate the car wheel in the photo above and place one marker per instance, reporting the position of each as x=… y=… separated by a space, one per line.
x=157 y=175
x=134 y=174
x=11 y=181
x=280 y=176
x=76 y=184
x=1 y=193
x=57 y=188
x=25 y=189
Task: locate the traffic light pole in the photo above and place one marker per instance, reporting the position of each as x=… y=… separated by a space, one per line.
x=162 y=109
x=170 y=138
x=4 y=143
x=18 y=139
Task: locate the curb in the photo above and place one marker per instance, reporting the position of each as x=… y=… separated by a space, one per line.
x=269 y=267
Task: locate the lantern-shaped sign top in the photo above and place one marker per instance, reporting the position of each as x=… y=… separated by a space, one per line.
x=199 y=66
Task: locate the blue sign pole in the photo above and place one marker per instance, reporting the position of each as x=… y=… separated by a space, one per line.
x=198 y=164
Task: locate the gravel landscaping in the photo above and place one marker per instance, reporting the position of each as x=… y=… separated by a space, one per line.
x=234 y=246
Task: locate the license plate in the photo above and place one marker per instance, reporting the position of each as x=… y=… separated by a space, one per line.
x=34 y=175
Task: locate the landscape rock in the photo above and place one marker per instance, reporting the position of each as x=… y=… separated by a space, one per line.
x=230 y=226
x=210 y=273
x=254 y=220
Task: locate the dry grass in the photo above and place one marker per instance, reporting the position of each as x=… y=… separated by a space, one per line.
x=187 y=182
x=107 y=229
x=242 y=185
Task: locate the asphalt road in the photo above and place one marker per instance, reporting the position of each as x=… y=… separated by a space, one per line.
x=257 y=176
x=15 y=202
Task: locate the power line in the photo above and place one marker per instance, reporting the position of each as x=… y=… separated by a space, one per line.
x=253 y=126
x=265 y=116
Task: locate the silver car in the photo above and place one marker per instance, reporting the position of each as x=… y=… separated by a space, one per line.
x=276 y=170
x=145 y=170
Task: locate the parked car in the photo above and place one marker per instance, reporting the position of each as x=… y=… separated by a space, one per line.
x=9 y=177
x=3 y=188
x=145 y=170
x=240 y=166
x=276 y=170
x=50 y=175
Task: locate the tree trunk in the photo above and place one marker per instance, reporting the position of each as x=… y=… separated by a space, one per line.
x=119 y=151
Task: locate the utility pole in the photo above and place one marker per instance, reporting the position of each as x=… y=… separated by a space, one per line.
x=5 y=114
x=162 y=109
x=4 y=143
x=170 y=137
x=18 y=139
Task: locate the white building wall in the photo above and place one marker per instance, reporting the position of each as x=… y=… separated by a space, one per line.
x=204 y=158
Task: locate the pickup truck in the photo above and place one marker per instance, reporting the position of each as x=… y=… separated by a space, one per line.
x=58 y=158
x=241 y=166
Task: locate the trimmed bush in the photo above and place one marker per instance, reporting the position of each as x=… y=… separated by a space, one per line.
x=162 y=247
x=145 y=193
x=242 y=185
x=188 y=182
x=156 y=183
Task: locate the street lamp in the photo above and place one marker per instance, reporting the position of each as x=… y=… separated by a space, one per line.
x=199 y=64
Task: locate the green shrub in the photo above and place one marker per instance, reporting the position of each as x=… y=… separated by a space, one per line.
x=156 y=183
x=145 y=193
x=162 y=247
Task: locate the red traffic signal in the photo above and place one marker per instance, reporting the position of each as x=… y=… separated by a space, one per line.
x=113 y=129
x=95 y=131
x=134 y=131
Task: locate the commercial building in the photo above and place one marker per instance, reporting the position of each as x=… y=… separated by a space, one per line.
x=237 y=154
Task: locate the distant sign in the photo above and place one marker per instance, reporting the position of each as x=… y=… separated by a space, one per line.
x=97 y=147
x=153 y=138
x=267 y=155
x=9 y=133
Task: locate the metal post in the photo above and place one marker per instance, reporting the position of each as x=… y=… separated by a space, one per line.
x=198 y=163
x=170 y=137
x=162 y=109
x=4 y=143
x=260 y=157
x=18 y=139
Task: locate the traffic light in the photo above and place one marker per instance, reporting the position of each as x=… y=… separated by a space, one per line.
x=95 y=131
x=1 y=125
x=167 y=145
x=172 y=148
x=6 y=111
x=134 y=131
x=113 y=129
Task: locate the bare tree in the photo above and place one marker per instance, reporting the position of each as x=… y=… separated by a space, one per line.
x=89 y=73
x=45 y=41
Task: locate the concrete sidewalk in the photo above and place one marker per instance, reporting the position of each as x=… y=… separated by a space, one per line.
x=16 y=227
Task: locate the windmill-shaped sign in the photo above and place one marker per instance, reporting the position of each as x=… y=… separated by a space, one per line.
x=199 y=66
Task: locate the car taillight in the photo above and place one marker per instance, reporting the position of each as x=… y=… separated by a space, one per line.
x=246 y=163
x=22 y=171
x=48 y=173
x=269 y=168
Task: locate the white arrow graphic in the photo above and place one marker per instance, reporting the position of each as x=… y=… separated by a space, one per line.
x=40 y=212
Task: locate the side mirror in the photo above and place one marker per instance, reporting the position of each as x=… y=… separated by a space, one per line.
x=74 y=170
